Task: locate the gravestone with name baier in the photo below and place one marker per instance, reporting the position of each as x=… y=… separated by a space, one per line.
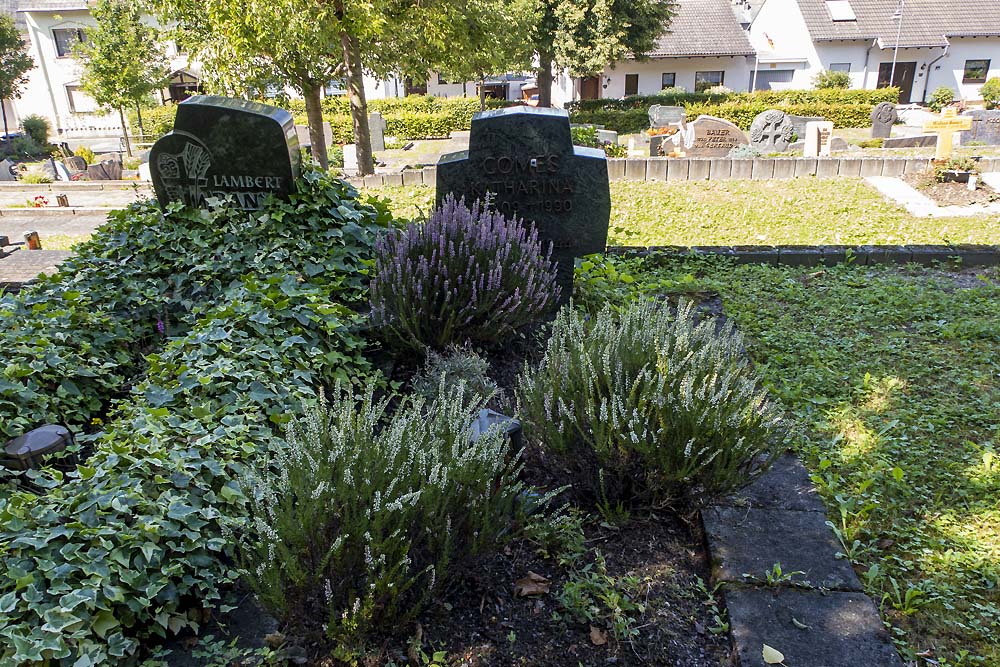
x=525 y=159
x=985 y=127
x=709 y=136
x=222 y=147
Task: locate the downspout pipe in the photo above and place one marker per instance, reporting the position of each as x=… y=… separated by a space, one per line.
x=927 y=78
x=868 y=56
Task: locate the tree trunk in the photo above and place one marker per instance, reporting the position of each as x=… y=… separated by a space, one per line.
x=314 y=112
x=359 y=106
x=128 y=144
x=482 y=92
x=6 y=132
x=138 y=115
x=545 y=80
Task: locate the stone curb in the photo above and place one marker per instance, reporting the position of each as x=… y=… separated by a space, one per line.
x=816 y=614
x=713 y=169
x=74 y=186
x=809 y=256
x=54 y=212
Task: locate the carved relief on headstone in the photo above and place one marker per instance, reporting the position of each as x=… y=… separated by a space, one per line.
x=771 y=131
x=884 y=116
x=222 y=147
x=525 y=157
x=818 y=137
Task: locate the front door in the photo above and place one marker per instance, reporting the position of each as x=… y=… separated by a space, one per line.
x=902 y=79
x=590 y=88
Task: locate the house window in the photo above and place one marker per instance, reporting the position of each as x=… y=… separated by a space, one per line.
x=705 y=80
x=668 y=80
x=66 y=39
x=766 y=79
x=976 y=71
x=631 y=84
x=840 y=10
x=840 y=67
x=79 y=101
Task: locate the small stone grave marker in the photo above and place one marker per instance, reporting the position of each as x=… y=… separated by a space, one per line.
x=664 y=116
x=525 y=157
x=351 y=159
x=799 y=124
x=985 y=127
x=884 y=116
x=771 y=131
x=222 y=147
x=945 y=127
x=376 y=125
x=818 y=136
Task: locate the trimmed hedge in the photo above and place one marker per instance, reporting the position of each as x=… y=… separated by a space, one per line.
x=155 y=122
x=770 y=97
x=846 y=108
x=131 y=543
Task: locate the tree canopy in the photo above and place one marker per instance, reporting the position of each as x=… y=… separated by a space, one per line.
x=585 y=36
x=15 y=63
x=123 y=60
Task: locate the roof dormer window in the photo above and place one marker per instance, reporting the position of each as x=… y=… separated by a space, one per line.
x=840 y=10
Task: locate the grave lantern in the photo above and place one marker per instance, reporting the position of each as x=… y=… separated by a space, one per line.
x=29 y=450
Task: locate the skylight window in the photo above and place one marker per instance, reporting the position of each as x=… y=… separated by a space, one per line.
x=840 y=10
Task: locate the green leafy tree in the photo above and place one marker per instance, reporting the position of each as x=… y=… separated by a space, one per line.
x=15 y=63
x=585 y=36
x=123 y=61
x=494 y=38
x=831 y=79
x=991 y=93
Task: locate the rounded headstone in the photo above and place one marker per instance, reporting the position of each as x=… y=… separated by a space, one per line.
x=771 y=131
x=884 y=116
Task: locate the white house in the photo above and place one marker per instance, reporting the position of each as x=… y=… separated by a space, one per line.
x=773 y=44
x=932 y=43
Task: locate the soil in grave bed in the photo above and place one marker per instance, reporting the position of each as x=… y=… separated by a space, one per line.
x=483 y=623
x=480 y=620
x=952 y=194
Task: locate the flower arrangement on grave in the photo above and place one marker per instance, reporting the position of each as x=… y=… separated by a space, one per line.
x=38 y=202
x=661 y=131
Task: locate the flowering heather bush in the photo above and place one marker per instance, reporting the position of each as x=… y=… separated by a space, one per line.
x=360 y=516
x=650 y=403
x=463 y=276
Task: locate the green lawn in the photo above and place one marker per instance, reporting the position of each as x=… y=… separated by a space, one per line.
x=801 y=211
x=892 y=377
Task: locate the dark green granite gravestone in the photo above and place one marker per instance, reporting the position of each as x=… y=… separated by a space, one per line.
x=222 y=147
x=525 y=157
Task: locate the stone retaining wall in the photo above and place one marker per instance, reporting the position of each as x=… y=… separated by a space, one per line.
x=715 y=169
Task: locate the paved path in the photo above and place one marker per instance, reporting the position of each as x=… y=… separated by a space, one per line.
x=14 y=224
x=22 y=265
x=922 y=206
x=77 y=199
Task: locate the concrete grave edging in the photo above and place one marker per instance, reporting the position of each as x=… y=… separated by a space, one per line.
x=699 y=169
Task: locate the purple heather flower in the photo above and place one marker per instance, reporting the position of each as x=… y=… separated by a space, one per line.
x=161 y=327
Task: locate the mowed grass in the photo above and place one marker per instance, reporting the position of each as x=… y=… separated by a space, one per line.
x=892 y=376
x=805 y=211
